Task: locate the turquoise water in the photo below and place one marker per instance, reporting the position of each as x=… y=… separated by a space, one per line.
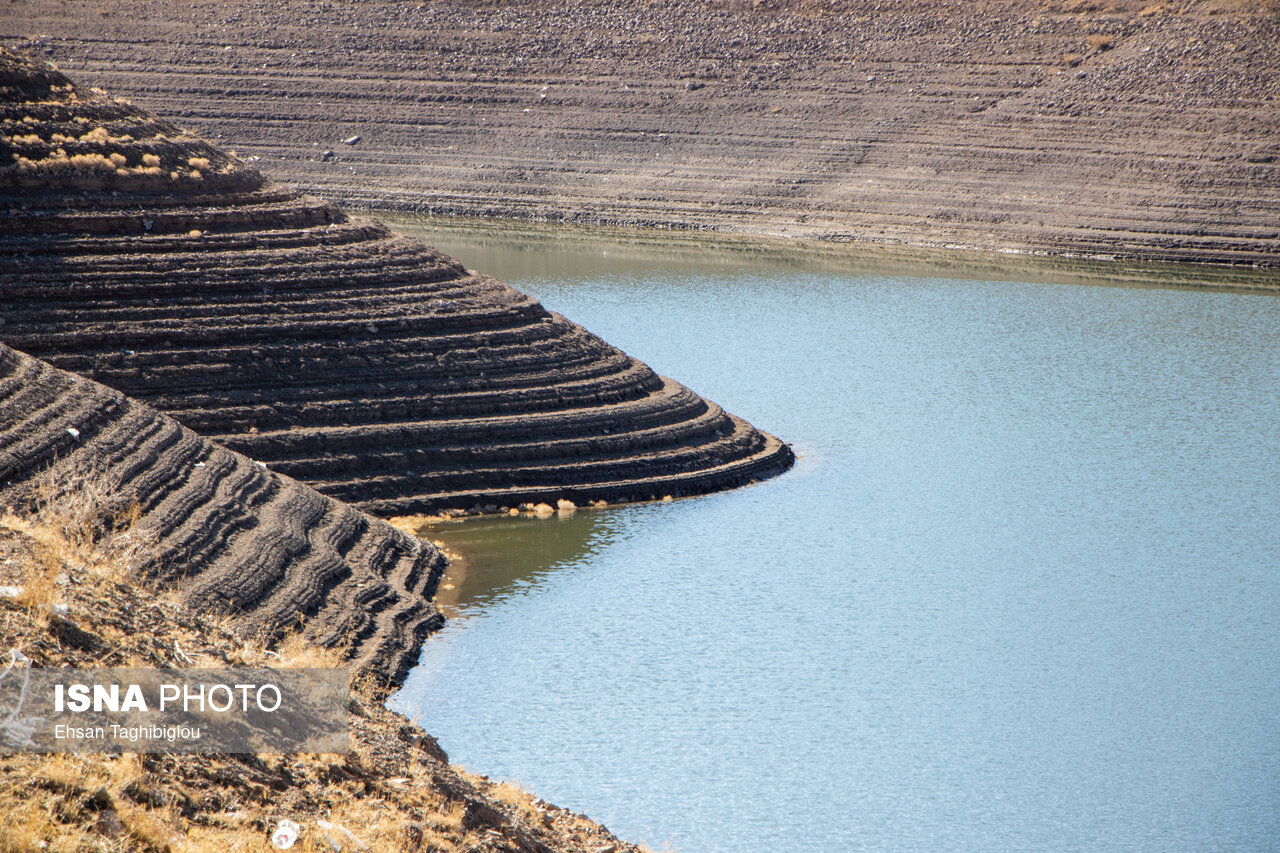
x=1020 y=593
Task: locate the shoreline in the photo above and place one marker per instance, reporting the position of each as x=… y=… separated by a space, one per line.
x=856 y=256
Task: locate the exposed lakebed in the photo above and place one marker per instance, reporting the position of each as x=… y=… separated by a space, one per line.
x=1020 y=592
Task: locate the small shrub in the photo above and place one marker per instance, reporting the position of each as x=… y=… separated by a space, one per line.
x=99 y=135
x=1100 y=42
x=92 y=163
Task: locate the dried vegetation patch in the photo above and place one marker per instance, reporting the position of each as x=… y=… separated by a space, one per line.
x=68 y=563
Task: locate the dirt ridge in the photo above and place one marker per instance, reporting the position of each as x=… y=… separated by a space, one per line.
x=359 y=361
x=1141 y=129
x=228 y=535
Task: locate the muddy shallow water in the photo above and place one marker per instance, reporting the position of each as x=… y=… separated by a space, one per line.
x=1020 y=592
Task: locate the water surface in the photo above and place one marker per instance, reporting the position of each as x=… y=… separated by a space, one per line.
x=1020 y=592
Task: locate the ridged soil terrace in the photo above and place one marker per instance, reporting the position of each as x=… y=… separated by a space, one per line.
x=359 y=361
x=1137 y=129
x=227 y=534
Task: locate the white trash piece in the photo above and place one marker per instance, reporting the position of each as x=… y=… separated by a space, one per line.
x=285 y=835
x=334 y=833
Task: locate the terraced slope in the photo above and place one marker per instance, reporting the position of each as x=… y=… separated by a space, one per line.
x=358 y=361
x=1137 y=128
x=230 y=534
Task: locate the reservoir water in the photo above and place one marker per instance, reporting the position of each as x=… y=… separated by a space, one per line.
x=1021 y=592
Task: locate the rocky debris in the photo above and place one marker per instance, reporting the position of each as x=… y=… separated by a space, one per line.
x=915 y=121
x=323 y=347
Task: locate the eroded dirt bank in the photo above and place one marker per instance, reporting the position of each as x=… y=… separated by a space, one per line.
x=1096 y=127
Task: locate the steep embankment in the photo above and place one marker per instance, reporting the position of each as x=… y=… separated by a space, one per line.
x=229 y=535
x=1136 y=128
x=359 y=361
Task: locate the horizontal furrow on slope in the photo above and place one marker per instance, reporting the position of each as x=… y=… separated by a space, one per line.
x=228 y=533
x=236 y=425
x=667 y=404
x=325 y=345
x=334 y=331
x=741 y=471
x=316 y=373
x=556 y=465
x=154 y=223
x=382 y=394
x=281 y=257
x=687 y=463
x=422 y=310
x=195 y=284
x=517 y=344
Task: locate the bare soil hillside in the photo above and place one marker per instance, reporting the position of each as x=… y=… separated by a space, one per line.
x=359 y=361
x=1097 y=127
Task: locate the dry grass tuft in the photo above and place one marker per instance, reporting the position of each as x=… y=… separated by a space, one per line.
x=77 y=520
x=1100 y=42
x=99 y=135
x=84 y=512
x=297 y=652
x=512 y=792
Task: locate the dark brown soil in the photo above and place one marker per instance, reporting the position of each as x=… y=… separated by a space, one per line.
x=361 y=362
x=226 y=535
x=1096 y=127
